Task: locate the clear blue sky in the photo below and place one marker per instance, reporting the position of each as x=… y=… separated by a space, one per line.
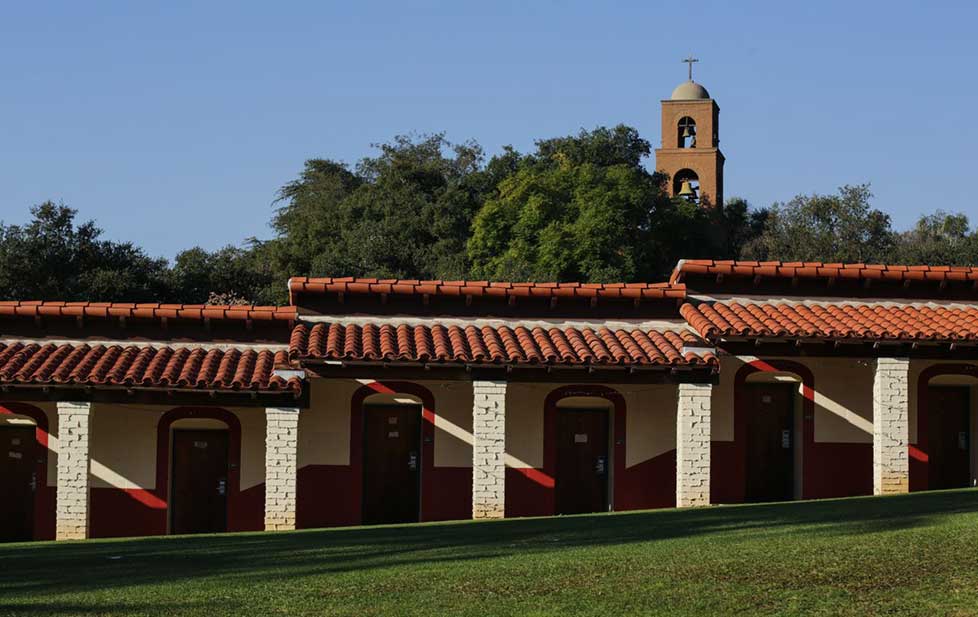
x=173 y=125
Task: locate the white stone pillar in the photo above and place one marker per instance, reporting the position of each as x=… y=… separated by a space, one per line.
x=891 y=426
x=74 y=433
x=693 y=445
x=281 y=455
x=489 y=449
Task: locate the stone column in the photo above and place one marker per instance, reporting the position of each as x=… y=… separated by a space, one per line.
x=489 y=449
x=891 y=426
x=693 y=445
x=281 y=448
x=74 y=433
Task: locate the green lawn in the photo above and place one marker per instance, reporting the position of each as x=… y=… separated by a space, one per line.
x=907 y=555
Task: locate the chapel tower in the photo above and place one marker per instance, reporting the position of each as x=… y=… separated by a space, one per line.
x=690 y=152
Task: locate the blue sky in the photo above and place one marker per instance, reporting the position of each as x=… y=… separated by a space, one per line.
x=174 y=125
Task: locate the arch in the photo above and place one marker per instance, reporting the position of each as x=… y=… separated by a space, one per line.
x=44 y=496
x=684 y=175
x=686 y=133
x=550 y=408
x=919 y=451
x=162 y=490
x=427 y=438
x=808 y=419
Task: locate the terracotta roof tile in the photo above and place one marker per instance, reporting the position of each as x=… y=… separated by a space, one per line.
x=777 y=269
x=349 y=285
x=515 y=344
x=101 y=310
x=23 y=363
x=891 y=322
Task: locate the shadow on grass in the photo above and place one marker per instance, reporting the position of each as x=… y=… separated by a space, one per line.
x=52 y=568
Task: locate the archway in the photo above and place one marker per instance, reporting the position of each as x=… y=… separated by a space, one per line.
x=373 y=405
x=943 y=455
x=686 y=184
x=686 y=133
x=28 y=502
x=198 y=469
x=774 y=409
x=591 y=420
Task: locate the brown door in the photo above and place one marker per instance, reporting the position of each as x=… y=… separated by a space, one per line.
x=391 y=464
x=582 y=461
x=948 y=438
x=770 y=442
x=199 y=502
x=17 y=482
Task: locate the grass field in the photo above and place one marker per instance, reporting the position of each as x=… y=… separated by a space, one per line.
x=907 y=555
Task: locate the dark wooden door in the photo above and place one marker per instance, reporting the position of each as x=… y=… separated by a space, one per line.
x=391 y=464
x=948 y=437
x=199 y=502
x=18 y=465
x=770 y=442
x=582 y=461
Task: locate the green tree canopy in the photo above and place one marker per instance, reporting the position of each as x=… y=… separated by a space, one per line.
x=940 y=238
x=404 y=213
x=830 y=228
x=53 y=258
x=585 y=208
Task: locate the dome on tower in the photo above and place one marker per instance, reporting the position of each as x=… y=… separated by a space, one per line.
x=689 y=91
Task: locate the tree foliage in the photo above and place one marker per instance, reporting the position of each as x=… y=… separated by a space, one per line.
x=404 y=213
x=583 y=207
x=52 y=257
x=830 y=228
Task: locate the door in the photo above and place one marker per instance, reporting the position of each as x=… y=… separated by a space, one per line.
x=948 y=438
x=18 y=466
x=199 y=500
x=770 y=442
x=391 y=464
x=582 y=461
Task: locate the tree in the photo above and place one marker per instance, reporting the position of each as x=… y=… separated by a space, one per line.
x=829 y=228
x=585 y=208
x=939 y=238
x=231 y=275
x=50 y=258
x=404 y=213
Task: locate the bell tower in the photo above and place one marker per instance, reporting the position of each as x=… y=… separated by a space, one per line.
x=690 y=152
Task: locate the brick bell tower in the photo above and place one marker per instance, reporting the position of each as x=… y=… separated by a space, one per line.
x=690 y=152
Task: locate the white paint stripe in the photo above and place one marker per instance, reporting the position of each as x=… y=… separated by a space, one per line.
x=479 y=322
x=830 y=301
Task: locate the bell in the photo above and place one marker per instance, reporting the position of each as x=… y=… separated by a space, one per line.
x=686 y=190
x=687 y=132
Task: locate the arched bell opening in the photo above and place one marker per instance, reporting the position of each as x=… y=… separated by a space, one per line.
x=686 y=133
x=686 y=184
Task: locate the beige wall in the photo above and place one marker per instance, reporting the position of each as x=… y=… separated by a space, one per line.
x=650 y=424
x=123 y=444
x=843 y=397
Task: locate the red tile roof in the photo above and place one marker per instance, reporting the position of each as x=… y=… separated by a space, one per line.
x=817 y=269
x=495 y=345
x=133 y=366
x=352 y=285
x=833 y=321
x=17 y=308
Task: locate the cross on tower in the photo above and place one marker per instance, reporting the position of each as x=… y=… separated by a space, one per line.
x=690 y=60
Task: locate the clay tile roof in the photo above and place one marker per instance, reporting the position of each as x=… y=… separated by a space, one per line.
x=477 y=288
x=890 y=322
x=20 y=308
x=514 y=344
x=125 y=365
x=812 y=269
